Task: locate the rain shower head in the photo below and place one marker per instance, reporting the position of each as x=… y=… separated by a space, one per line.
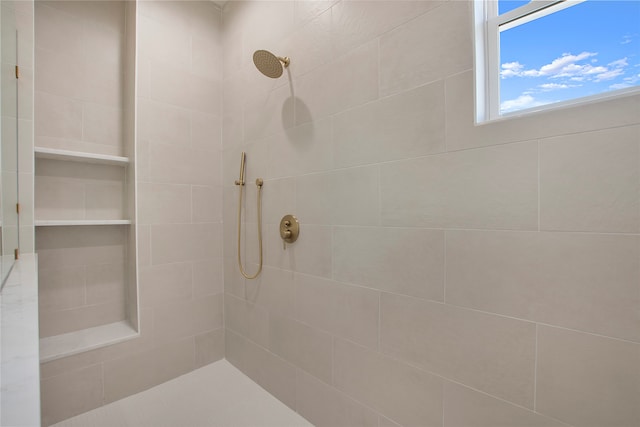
x=269 y=64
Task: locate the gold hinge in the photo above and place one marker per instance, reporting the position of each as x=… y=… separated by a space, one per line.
x=17 y=72
x=17 y=207
x=16 y=253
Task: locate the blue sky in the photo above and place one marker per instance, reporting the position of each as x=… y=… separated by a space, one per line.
x=590 y=48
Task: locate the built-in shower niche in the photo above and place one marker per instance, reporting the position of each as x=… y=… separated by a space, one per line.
x=84 y=180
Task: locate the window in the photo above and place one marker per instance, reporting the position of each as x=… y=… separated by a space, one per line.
x=538 y=54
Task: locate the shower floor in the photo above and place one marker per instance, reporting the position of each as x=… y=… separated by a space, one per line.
x=216 y=395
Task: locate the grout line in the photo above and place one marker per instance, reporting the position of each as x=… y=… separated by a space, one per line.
x=444 y=271
x=535 y=373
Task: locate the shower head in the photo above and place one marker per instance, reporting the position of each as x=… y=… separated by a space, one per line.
x=269 y=64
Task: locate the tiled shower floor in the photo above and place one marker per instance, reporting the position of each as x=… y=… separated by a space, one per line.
x=216 y=395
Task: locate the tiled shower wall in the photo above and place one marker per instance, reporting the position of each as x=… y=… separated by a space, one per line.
x=446 y=274
x=179 y=211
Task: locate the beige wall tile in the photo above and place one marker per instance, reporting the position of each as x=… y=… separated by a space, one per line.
x=466 y=407
x=396 y=390
x=174 y=359
x=268 y=113
x=305 y=347
x=209 y=347
x=105 y=200
x=324 y=406
x=463 y=133
x=310 y=254
x=591 y=181
x=299 y=150
x=233 y=280
x=490 y=188
x=354 y=191
x=185 y=242
x=164 y=203
x=587 y=380
x=435 y=45
x=349 y=81
x=188 y=318
x=206 y=204
x=371 y=19
x=405 y=261
x=75 y=319
x=61 y=288
x=453 y=342
x=128 y=375
x=102 y=125
x=58 y=117
x=274 y=290
x=581 y=281
x=165 y=284
x=57 y=198
x=208 y=277
x=407 y=125
x=175 y=165
x=346 y=311
x=247 y=320
x=310 y=43
x=106 y=283
x=206 y=132
x=163 y=123
x=70 y=394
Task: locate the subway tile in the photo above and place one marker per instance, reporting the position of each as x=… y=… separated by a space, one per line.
x=72 y=393
x=466 y=407
x=188 y=318
x=274 y=290
x=105 y=200
x=164 y=203
x=354 y=23
x=247 y=320
x=106 y=283
x=431 y=47
x=185 y=242
x=208 y=277
x=325 y=406
x=354 y=191
x=233 y=280
x=587 y=380
x=301 y=345
x=206 y=132
x=161 y=45
x=346 y=311
x=58 y=116
x=165 y=284
x=453 y=342
x=587 y=282
x=61 y=288
x=128 y=375
x=206 y=203
x=310 y=44
x=492 y=188
x=410 y=124
x=300 y=150
x=591 y=181
x=168 y=164
x=404 y=261
x=59 y=198
x=174 y=359
x=163 y=123
x=464 y=133
x=273 y=373
x=310 y=254
x=347 y=82
x=268 y=113
x=65 y=74
x=398 y=391
x=57 y=30
x=278 y=198
x=102 y=125
x=75 y=319
x=209 y=347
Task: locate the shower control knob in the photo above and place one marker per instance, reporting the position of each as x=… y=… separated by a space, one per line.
x=289 y=229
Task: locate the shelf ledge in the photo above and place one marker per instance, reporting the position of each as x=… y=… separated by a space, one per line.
x=57 y=223
x=78 y=156
x=58 y=346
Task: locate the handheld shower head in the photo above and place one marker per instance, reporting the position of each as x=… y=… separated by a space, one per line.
x=269 y=64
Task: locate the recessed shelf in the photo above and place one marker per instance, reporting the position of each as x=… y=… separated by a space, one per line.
x=78 y=156
x=58 y=346
x=73 y=222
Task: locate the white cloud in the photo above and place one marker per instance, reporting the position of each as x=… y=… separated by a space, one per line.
x=511 y=69
x=608 y=75
x=547 y=87
x=520 y=103
x=620 y=63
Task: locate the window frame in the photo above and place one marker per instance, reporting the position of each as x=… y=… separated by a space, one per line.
x=487 y=28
